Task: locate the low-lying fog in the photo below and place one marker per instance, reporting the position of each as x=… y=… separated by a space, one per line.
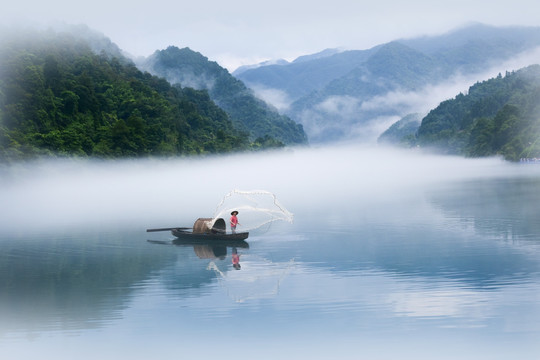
x=163 y=193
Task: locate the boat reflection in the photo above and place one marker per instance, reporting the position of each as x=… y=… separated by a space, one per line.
x=208 y=249
x=211 y=249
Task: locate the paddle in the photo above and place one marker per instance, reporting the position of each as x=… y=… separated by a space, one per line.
x=167 y=229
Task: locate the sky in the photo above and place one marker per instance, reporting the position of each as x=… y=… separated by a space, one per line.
x=243 y=32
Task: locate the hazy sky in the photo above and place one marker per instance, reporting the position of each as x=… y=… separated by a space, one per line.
x=237 y=32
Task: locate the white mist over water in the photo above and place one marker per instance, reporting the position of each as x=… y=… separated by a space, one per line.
x=175 y=192
x=381 y=251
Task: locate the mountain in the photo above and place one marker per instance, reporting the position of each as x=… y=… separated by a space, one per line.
x=474 y=44
x=185 y=67
x=59 y=97
x=402 y=132
x=98 y=42
x=351 y=93
x=303 y=58
x=300 y=78
x=496 y=117
x=316 y=56
x=338 y=111
x=243 y=68
x=392 y=66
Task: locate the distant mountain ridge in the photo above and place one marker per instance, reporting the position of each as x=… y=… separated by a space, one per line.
x=319 y=55
x=344 y=94
x=243 y=68
x=298 y=79
x=186 y=67
x=302 y=58
x=508 y=39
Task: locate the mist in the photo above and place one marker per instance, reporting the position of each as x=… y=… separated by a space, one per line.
x=275 y=97
x=365 y=119
x=63 y=194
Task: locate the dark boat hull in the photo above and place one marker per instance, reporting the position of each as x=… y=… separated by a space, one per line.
x=217 y=236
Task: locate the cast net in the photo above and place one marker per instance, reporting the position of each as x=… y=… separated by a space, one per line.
x=256 y=209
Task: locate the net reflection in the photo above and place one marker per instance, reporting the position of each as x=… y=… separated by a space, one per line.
x=260 y=278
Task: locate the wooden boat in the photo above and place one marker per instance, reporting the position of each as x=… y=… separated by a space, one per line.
x=206 y=229
x=217 y=236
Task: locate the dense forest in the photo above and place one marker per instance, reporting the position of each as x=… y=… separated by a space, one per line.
x=499 y=116
x=186 y=67
x=59 y=97
x=67 y=95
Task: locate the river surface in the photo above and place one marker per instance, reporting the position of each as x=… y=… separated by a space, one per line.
x=397 y=257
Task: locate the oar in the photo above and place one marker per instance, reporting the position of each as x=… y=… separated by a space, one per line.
x=167 y=229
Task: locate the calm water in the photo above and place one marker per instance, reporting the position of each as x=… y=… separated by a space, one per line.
x=431 y=259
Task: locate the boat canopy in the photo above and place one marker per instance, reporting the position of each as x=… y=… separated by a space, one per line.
x=209 y=226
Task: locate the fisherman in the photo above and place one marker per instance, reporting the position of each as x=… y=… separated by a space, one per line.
x=234 y=221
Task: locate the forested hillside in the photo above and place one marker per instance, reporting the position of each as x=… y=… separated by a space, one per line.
x=185 y=67
x=57 y=96
x=500 y=116
x=403 y=132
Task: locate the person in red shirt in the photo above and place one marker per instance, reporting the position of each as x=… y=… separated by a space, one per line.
x=234 y=221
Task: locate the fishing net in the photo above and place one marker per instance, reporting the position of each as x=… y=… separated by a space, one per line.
x=256 y=209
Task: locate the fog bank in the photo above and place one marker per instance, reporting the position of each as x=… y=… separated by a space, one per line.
x=174 y=192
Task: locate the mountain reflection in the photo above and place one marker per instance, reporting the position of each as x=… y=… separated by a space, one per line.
x=71 y=281
x=503 y=208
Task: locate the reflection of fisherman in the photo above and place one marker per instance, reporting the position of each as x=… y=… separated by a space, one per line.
x=234 y=221
x=235 y=259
